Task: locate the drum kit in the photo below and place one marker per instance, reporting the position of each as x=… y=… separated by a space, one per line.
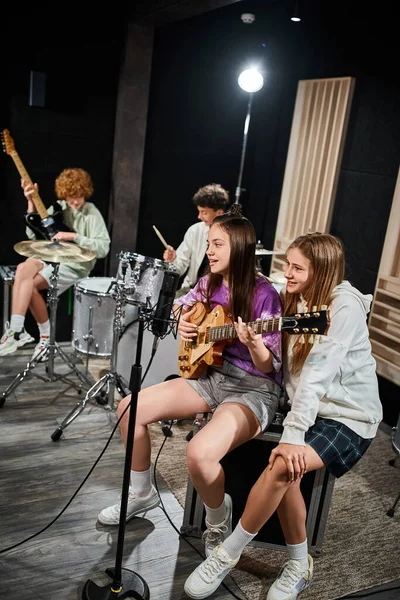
x=103 y=308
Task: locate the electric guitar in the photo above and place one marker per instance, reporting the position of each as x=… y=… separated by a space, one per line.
x=41 y=223
x=216 y=328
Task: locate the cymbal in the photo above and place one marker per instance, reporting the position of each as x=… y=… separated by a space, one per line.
x=54 y=251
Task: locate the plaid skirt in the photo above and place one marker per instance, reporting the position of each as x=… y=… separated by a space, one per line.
x=337 y=445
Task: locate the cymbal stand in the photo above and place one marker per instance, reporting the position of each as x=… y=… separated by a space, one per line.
x=111 y=379
x=48 y=353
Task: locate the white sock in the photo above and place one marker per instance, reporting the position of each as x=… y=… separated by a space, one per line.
x=215 y=516
x=237 y=541
x=17 y=323
x=141 y=482
x=44 y=328
x=299 y=552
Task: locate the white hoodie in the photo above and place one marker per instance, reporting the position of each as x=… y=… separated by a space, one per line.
x=338 y=380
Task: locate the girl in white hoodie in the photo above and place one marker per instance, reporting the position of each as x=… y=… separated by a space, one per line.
x=334 y=414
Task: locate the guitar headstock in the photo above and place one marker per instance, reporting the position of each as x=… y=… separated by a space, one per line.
x=7 y=142
x=315 y=322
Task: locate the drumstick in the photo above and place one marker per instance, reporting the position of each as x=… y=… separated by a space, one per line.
x=160 y=237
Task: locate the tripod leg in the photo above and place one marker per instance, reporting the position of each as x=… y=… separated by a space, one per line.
x=16 y=381
x=80 y=407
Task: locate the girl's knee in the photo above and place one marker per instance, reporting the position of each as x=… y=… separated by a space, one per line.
x=196 y=454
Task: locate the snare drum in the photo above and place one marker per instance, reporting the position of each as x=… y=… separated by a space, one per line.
x=94 y=308
x=143 y=277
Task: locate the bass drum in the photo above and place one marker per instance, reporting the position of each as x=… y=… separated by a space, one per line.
x=165 y=362
x=93 y=321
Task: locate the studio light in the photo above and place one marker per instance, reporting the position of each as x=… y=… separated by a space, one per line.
x=250 y=80
x=295 y=12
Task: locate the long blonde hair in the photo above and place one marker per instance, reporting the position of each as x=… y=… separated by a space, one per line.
x=326 y=255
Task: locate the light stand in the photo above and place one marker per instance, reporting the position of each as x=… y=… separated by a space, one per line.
x=125 y=583
x=244 y=145
x=250 y=81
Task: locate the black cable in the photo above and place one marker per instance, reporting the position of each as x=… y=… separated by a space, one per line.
x=83 y=482
x=87 y=476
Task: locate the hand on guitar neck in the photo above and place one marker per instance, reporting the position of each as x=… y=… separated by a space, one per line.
x=43 y=224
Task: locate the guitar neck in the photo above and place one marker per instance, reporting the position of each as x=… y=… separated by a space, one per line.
x=226 y=332
x=37 y=201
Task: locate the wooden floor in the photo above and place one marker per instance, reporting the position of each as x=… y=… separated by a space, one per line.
x=38 y=479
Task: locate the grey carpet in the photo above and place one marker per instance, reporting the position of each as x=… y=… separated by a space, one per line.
x=361 y=547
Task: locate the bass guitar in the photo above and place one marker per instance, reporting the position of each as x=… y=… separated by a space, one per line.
x=41 y=223
x=216 y=328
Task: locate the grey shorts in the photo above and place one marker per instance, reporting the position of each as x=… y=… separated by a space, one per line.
x=66 y=276
x=231 y=384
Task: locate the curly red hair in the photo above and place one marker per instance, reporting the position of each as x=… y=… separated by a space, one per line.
x=74 y=183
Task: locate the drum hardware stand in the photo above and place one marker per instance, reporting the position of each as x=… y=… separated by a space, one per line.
x=111 y=379
x=48 y=353
x=125 y=583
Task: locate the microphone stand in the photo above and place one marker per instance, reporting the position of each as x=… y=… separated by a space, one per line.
x=125 y=583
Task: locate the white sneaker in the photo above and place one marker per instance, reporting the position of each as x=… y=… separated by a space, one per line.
x=209 y=575
x=40 y=346
x=291 y=581
x=136 y=506
x=25 y=338
x=214 y=535
x=11 y=340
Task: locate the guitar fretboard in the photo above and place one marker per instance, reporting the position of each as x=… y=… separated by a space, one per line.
x=37 y=201
x=225 y=332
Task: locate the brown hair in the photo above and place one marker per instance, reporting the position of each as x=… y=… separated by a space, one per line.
x=212 y=196
x=74 y=183
x=242 y=265
x=326 y=255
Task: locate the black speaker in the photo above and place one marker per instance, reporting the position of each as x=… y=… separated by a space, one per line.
x=37 y=89
x=242 y=467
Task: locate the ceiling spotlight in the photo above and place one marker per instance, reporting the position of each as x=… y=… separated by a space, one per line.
x=251 y=80
x=295 y=12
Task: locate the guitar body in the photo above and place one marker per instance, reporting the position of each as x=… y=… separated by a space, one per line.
x=46 y=228
x=194 y=357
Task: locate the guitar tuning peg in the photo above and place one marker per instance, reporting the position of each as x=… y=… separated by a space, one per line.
x=314 y=309
x=324 y=307
x=320 y=339
x=311 y=339
x=302 y=340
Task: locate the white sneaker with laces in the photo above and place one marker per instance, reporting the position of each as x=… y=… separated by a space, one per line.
x=291 y=581
x=136 y=506
x=40 y=346
x=214 y=535
x=11 y=340
x=209 y=575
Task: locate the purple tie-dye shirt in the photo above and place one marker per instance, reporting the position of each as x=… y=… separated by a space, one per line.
x=266 y=305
